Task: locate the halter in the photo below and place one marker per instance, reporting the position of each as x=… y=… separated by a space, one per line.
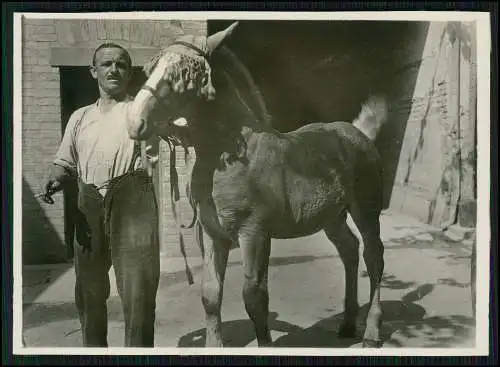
x=174 y=179
x=192 y=47
x=198 y=50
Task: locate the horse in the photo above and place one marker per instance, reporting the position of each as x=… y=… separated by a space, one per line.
x=251 y=183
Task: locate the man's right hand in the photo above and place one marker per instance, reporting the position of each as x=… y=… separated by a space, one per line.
x=51 y=187
x=54 y=183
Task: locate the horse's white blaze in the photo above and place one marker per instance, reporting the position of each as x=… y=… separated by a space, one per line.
x=144 y=101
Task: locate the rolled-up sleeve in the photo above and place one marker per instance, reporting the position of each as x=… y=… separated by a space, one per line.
x=66 y=155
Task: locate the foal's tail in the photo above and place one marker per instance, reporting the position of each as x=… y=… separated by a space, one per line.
x=372 y=116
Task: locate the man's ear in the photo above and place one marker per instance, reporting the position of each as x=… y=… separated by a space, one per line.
x=93 y=72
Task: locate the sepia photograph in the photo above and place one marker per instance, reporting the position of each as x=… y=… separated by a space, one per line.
x=251 y=183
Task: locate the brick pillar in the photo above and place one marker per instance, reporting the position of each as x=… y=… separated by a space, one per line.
x=43 y=224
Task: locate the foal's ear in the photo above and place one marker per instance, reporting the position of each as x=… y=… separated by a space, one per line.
x=215 y=40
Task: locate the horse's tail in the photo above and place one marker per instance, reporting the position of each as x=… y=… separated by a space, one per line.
x=372 y=116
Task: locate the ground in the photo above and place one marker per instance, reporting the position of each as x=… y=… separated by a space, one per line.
x=425 y=296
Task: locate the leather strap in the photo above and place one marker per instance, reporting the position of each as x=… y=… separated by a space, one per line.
x=192 y=47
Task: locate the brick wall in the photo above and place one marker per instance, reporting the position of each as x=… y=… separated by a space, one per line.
x=43 y=224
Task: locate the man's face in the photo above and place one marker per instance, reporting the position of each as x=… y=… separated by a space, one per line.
x=111 y=70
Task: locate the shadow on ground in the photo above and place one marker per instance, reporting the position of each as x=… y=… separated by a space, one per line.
x=36 y=314
x=431 y=239
x=39 y=314
x=168 y=279
x=402 y=317
x=37 y=282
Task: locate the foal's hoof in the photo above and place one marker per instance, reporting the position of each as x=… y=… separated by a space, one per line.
x=368 y=343
x=214 y=344
x=265 y=345
x=347 y=331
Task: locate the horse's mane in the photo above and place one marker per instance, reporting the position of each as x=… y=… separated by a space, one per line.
x=247 y=89
x=236 y=93
x=223 y=61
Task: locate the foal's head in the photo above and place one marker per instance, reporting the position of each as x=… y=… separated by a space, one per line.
x=178 y=78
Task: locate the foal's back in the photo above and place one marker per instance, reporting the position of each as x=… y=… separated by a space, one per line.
x=317 y=151
x=302 y=178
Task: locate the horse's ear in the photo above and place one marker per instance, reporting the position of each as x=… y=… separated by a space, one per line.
x=215 y=40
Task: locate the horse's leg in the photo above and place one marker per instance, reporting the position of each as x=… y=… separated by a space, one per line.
x=367 y=221
x=214 y=269
x=348 y=248
x=255 y=247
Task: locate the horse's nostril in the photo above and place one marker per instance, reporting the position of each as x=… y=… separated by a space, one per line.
x=211 y=95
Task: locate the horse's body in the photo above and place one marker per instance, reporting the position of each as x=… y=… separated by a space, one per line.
x=300 y=182
x=252 y=183
x=287 y=185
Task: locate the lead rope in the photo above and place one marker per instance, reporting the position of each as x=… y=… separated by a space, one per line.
x=175 y=196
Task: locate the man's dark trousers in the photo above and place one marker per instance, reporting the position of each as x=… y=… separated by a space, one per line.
x=119 y=230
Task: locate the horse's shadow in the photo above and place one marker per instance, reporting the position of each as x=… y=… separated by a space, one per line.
x=402 y=316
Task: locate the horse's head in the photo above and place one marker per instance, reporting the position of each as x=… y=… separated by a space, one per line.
x=177 y=78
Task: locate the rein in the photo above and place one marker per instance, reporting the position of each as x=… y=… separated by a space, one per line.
x=175 y=196
x=174 y=182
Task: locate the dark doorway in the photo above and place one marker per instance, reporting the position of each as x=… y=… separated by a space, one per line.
x=79 y=89
x=319 y=70
x=310 y=71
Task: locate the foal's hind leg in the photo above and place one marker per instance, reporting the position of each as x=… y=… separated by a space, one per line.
x=348 y=247
x=255 y=247
x=368 y=224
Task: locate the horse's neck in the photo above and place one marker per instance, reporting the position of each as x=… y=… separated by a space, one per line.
x=226 y=125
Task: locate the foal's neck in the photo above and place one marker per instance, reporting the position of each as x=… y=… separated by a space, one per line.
x=225 y=128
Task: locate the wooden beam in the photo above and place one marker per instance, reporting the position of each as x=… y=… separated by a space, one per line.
x=82 y=56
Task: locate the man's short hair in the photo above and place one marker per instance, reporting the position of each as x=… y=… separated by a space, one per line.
x=112 y=45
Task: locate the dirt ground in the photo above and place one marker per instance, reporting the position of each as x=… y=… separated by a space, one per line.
x=425 y=296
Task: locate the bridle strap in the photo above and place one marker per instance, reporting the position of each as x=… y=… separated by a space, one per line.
x=153 y=92
x=174 y=187
x=192 y=47
x=185 y=44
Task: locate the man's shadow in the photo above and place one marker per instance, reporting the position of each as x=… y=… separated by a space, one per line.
x=403 y=316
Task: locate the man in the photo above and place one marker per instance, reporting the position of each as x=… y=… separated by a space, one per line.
x=118 y=220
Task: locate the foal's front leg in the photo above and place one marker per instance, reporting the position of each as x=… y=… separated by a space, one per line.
x=214 y=270
x=255 y=247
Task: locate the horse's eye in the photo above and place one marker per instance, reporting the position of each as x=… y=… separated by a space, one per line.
x=204 y=80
